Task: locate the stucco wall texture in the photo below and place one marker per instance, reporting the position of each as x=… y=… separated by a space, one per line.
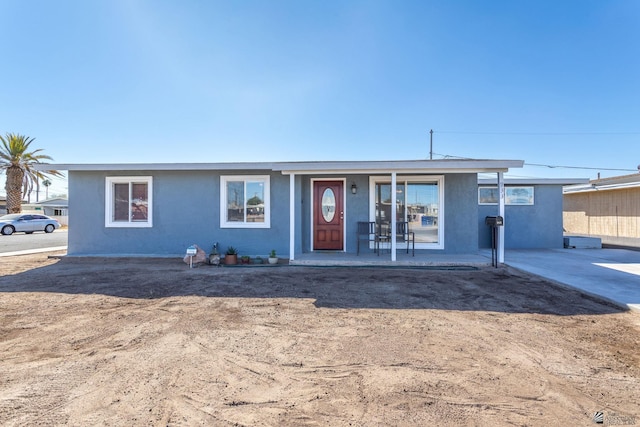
x=528 y=226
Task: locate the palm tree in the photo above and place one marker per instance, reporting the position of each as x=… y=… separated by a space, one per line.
x=46 y=184
x=17 y=162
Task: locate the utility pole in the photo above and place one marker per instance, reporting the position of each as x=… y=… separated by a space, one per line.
x=431 y=145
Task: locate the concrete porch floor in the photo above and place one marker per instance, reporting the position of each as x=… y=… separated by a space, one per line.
x=333 y=258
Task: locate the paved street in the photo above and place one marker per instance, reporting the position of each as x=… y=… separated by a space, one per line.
x=38 y=240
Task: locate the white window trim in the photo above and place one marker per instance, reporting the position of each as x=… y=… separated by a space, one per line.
x=487 y=203
x=109 y=181
x=507 y=188
x=402 y=179
x=508 y=198
x=266 y=179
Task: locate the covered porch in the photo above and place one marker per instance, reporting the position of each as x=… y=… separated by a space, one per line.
x=455 y=231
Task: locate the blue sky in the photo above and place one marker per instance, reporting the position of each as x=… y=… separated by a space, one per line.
x=549 y=82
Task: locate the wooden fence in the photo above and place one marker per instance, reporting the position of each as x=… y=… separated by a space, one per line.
x=613 y=213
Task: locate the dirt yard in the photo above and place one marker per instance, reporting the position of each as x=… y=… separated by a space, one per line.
x=111 y=342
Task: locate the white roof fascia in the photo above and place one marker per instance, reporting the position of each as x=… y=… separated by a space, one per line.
x=153 y=166
x=329 y=167
x=387 y=171
x=618 y=186
x=399 y=166
x=536 y=181
x=594 y=187
x=57 y=201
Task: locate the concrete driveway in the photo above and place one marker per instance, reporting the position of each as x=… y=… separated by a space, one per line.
x=610 y=273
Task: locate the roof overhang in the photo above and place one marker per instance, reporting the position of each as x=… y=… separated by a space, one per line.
x=595 y=187
x=399 y=166
x=611 y=183
x=101 y=167
x=305 y=168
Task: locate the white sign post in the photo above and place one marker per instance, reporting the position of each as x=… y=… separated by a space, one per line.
x=191 y=251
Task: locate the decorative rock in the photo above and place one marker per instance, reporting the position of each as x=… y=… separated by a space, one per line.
x=199 y=258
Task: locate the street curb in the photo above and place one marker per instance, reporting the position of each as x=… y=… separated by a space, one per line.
x=34 y=251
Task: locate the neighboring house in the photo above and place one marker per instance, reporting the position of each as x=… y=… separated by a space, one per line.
x=533 y=211
x=3 y=205
x=55 y=207
x=292 y=207
x=608 y=208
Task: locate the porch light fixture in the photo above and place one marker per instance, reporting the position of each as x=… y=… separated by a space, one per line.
x=354 y=188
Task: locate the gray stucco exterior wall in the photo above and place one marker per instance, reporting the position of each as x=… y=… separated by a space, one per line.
x=357 y=207
x=461 y=213
x=534 y=226
x=186 y=211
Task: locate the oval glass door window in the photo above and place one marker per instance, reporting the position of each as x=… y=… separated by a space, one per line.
x=328 y=205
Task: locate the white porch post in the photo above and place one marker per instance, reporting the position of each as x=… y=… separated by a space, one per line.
x=501 y=196
x=292 y=216
x=394 y=215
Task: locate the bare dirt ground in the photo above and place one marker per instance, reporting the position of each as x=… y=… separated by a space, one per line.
x=151 y=342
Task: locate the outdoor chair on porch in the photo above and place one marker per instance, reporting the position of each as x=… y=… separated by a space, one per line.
x=403 y=234
x=367 y=232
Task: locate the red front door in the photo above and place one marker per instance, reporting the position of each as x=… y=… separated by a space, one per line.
x=328 y=215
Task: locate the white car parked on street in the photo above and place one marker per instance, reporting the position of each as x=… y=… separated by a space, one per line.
x=27 y=223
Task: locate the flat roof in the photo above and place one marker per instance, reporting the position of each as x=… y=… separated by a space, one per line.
x=377 y=166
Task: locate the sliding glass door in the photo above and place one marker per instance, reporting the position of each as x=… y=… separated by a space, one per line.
x=417 y=200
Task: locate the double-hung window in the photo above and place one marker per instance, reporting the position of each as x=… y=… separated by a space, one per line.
x=245 y=201
x=128 y=201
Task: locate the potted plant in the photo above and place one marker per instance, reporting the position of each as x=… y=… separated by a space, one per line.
x=257 y=260
x=273 y=258
x=231 y=256
x=245 y=259
x=214 y=256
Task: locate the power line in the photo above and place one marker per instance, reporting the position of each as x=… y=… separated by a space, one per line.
x=449 y=156
x=580 y=167
x=533 y=133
